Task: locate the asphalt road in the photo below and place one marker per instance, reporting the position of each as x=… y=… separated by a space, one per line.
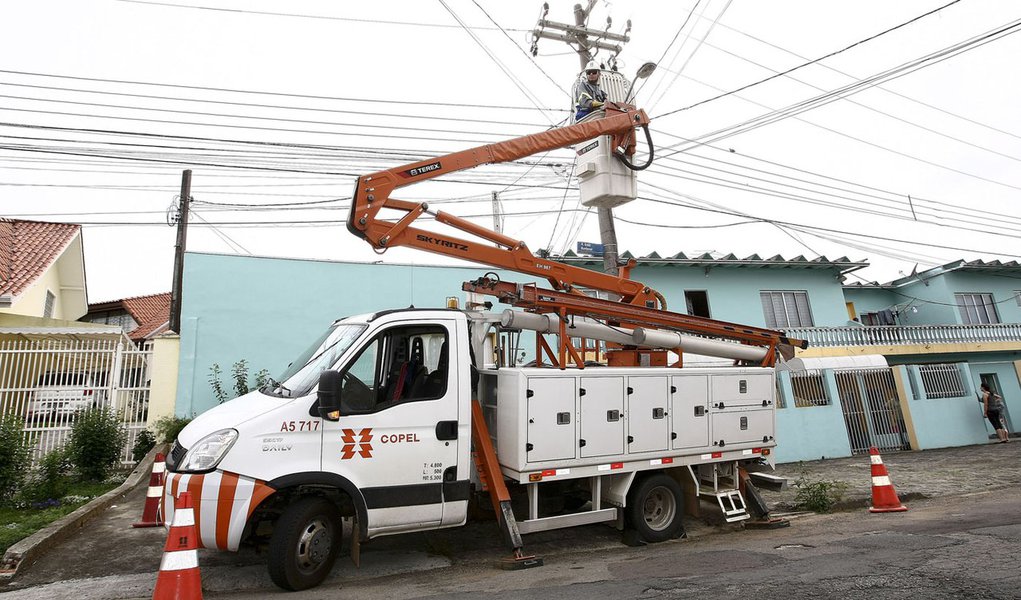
x=952 y=547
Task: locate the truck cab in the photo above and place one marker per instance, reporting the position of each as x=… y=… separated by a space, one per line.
x=395 y=455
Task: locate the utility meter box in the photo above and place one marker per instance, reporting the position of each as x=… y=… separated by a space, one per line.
x=604 y=181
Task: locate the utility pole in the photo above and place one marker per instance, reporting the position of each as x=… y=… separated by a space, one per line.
x=182 y=234
x=587 y=39
x=497 y=213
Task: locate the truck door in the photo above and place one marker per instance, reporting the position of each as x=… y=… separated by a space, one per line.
x=397 y=438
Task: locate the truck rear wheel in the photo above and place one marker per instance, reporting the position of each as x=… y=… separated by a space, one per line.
x=305 y=543
x=654 y=508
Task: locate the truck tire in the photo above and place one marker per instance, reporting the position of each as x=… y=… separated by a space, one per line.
x=655 y=507
x=305 y=543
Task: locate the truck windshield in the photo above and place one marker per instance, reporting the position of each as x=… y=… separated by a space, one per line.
x=303 y=374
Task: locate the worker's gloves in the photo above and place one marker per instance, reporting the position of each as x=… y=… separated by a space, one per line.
x=596 y=104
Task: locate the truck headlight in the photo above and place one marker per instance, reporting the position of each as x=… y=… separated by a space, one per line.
x=207 y=453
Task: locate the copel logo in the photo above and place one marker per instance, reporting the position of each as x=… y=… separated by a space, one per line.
x=364 y=438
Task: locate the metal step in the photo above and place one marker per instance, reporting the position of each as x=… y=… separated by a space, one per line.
x=732 y=505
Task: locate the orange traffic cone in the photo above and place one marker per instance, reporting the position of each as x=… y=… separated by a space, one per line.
x=884 y=497
x=152 y=514
x=179 y=577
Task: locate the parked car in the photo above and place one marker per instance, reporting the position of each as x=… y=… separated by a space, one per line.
x=60 y=394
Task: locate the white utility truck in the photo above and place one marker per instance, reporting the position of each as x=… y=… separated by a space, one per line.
x=398 y=418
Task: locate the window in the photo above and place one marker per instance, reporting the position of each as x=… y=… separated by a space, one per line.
x=809 y=388
x=697 y=303
x=976 y=309
x=786 y=309
x=1017 y=297
x=48 y=308
x=114 y=317
x=942 y=381
x=401 y=364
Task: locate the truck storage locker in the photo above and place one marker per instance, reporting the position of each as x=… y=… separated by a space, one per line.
x=648 y=420
x=601 y=416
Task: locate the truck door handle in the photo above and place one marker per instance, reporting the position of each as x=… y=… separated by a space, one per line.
x=446 y=430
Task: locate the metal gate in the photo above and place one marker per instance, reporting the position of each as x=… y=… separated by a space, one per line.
x=49 y=383
x=871 y=408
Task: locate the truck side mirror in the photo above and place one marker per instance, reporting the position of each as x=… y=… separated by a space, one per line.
x=330 y=383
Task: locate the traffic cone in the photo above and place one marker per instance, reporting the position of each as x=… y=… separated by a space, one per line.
x=152 y=514
x=884 y=497
x=179 y=577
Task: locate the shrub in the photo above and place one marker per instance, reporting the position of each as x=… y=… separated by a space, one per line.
x=14 y=456
x=239 y=373
x=144 y=442
x=96 y=441
x=214 y=381
x=51 y=479
x=818 y=496
x=167 y=428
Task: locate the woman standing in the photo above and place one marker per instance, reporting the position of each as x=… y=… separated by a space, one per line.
x=992 y=408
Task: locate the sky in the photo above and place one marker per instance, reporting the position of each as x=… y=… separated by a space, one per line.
x=880 y=131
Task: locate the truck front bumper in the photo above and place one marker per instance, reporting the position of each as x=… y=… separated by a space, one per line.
x=222 y=501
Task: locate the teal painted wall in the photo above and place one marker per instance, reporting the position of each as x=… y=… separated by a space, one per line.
x=946 y=422
x=810 y=432
x=1002 y=288
x=868 y=300
x=1000 y=364
x=267 y=310
x=733 y=293
x=934 y=297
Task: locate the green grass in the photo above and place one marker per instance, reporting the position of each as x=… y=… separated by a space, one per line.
x=19 y=522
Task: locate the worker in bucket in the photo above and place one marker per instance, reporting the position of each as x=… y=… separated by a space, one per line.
x=588 y=96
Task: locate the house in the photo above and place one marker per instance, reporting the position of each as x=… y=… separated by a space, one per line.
x=141 y=317
x=909 y=385
x=42 y=270
x=53 y=366
x=950 y=329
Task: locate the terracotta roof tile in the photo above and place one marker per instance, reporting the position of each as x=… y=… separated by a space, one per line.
x=150 y=312
x=28 y=248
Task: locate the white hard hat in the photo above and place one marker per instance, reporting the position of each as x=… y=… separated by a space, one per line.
x=592 y=66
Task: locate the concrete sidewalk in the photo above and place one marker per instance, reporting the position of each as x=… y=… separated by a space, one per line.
x=921 y=474
x=109 y=548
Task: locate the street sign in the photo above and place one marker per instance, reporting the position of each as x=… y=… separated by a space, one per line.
x=590 y=248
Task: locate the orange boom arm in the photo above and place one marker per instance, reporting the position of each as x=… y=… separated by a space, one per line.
x=372 y=194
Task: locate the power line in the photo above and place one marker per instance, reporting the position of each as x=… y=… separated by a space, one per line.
x=869 y=108
x=304 y=16
x=282 y=94
x=811 y=62
x=506 y=71
x=888 y=91
x=532 y=60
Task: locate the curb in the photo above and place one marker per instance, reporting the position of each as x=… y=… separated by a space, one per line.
x=31 y=547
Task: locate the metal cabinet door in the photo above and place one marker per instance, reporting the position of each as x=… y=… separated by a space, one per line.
x=647 y=415
x=690 y=398
x=743 y=426
x=551 y=419
x=601 y=416
x=743 y=390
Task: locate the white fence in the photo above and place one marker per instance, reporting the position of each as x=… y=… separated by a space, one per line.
x=49 y=383
x=896 y=335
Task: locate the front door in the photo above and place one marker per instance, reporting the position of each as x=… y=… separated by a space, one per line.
x=397 y=436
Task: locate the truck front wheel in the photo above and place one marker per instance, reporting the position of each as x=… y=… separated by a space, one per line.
x=305 y=543
x=654 y=508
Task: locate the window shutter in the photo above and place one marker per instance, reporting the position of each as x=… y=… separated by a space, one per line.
x=767 y=309
x=804 y=312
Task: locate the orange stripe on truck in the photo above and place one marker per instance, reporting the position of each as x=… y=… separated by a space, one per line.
x=224 y=507
x=259 y=493
x=195 y=487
